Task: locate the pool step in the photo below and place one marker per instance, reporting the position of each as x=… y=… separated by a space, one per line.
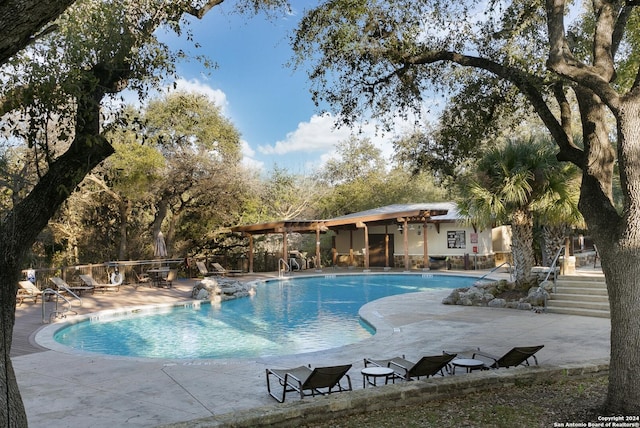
x=580 y=295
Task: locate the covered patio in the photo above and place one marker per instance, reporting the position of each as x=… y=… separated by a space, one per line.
x=370 y=238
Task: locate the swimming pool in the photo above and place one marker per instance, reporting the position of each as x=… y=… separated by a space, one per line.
x=288 y=316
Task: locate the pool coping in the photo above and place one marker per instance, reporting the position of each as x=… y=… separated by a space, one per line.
x=44 y=337
x=85 y=390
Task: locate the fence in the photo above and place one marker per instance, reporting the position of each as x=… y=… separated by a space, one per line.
x=100 y=272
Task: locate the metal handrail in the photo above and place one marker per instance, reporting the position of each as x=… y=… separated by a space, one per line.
x=68 y=290
x=552 y=268
x=280 y=270
x=496 y=268
x=56 y=312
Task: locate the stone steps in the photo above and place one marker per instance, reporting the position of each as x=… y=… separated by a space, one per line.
x=580 y=295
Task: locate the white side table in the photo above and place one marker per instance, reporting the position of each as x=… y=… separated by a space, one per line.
x=468 y=363
x=371 y=374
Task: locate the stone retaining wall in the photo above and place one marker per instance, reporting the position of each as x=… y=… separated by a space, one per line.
x=293 y=412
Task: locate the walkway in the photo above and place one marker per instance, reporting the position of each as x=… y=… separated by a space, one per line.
x=67 y=390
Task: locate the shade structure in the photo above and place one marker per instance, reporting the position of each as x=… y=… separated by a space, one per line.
x=159 y=246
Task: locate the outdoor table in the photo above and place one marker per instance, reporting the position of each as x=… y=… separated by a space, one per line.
x=369 y=373
x=468 y=363
x=156 y=274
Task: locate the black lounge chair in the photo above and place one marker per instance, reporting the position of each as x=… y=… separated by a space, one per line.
x=307 y=381
x=404 y=369
x=515 y=357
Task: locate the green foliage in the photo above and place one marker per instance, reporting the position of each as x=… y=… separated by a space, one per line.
x=521 y=175
x=361 y=52
x=360 y=179
x=286 y=196
x=188 y=121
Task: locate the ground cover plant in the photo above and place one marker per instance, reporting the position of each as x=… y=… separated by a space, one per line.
x=571 y=401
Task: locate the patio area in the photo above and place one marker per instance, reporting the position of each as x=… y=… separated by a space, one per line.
x=67 y=389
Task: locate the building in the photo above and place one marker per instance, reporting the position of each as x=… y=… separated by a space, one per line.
x=409 y=236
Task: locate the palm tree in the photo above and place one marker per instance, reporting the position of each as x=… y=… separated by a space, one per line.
x=559 y=211
x=511 y=184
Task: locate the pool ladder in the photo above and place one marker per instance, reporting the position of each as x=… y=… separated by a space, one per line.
x=283 y=267
x=58 y=313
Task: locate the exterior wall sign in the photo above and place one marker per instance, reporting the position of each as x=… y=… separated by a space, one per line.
x=456 y=239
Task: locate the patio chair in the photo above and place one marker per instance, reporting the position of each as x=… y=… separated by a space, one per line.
x=27 y=290
x=222 y=271
x=309 y=382
x=62 y=286
x=88 y=279
x=426 y=366
x=167 y=281
x=515 y=357
x=141 y=278
x=202 y=268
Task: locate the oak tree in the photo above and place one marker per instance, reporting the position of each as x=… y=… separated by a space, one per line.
x=384 y=58
x=52 y=98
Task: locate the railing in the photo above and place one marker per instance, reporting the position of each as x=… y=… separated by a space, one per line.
x=552 y=268
x=56 y=313
x=496 y=268
x=99 y=271
x=283 y=266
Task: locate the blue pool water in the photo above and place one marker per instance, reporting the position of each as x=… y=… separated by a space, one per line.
x=284 y=317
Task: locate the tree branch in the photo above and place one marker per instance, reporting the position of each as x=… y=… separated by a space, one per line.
x=21 y=19
x=199 y=12
x=562 y=61
x=619 y=29
x=528 y=84
x=568 y=150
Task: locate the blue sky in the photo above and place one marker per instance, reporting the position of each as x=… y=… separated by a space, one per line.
x=267 y=101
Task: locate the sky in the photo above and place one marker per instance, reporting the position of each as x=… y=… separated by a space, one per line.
x=268 y=102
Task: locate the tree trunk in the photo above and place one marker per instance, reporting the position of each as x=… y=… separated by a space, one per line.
x=20 y=227
x=12 y=412
x=618 y=239
x=18 y=231
x=622 y=273
x=20 y=20
x=620 y=255
x=553 y=240
x=521 y=247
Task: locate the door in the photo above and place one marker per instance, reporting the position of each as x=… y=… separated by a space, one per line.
x=377 y=250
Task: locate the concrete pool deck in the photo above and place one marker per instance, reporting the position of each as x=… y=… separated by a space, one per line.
x=62 y=389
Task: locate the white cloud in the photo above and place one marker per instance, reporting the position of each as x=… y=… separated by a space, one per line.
x=317 y=135
x=216 y=96
x=248 y=156
x=246 y=149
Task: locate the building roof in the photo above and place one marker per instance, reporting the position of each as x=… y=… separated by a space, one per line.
x=433 y=212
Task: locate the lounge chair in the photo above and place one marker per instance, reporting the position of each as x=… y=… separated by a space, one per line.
x=88 y=279
x=222 y=271
x=63 y=286
x=204 y=271
x=515 y=357
x=307 y=381
x=167 y=281
x=27 y=290
x=142 y=278
x=407 y=370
